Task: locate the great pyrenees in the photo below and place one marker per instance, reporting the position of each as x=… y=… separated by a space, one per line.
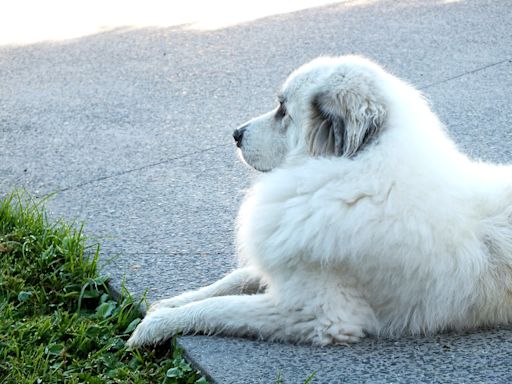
x=366 y=220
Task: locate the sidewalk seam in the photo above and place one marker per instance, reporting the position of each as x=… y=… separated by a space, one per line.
x=147 y=166
x=509 y=60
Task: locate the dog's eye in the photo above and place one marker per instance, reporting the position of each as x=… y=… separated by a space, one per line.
x=281 y=111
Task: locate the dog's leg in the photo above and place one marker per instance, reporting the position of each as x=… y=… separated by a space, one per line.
x=254 y=315
x=241 y=280
x=316 y=321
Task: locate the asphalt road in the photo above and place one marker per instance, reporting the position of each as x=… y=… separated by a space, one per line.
x=131 y=127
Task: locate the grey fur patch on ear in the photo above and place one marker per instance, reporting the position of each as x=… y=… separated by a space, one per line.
x=343 y=124
x=326 y=134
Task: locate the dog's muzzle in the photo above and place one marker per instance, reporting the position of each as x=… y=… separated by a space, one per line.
x=238 y=134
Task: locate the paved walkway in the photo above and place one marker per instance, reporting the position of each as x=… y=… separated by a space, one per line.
x=132 y=128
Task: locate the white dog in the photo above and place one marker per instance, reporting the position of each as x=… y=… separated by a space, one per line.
x=369 y=221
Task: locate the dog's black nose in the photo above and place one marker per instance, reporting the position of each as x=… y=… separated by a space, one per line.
x=238 y=134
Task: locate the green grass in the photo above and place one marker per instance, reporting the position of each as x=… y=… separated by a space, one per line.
x=280 y=379
x=59 y=322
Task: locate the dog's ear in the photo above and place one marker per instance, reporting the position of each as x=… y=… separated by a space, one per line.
x=343 y=123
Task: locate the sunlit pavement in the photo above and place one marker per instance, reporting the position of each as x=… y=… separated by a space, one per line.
x=125 y=110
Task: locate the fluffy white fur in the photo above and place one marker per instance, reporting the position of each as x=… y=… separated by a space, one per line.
x=370 y=221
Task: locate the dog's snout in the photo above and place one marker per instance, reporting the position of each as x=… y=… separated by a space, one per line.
x=238 y=134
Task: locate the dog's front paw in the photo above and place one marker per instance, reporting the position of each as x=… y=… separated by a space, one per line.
x=156 y=327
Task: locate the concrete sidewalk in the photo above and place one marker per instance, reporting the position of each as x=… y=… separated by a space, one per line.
x=132 y=128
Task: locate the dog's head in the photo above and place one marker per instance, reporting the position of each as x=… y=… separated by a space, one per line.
x=328 y=107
